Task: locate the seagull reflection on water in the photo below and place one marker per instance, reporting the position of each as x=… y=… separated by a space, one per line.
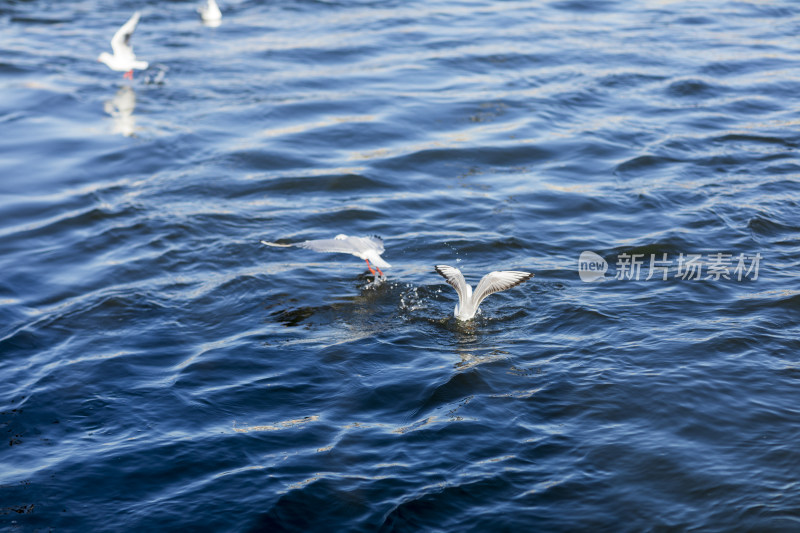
x=358 y=311
x=121 y=109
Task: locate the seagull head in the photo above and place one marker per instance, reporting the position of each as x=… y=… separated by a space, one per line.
x=105 y=57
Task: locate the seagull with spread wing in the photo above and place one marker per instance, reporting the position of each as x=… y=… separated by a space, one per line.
x=123 y=59
x=367 y=248
x=468 y=302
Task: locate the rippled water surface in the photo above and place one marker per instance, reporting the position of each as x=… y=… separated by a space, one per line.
x=161 y=369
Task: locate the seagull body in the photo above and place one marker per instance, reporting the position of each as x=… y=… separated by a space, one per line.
x=468 y=302
x=367 y=248
x=123 y=58
x=210 y=12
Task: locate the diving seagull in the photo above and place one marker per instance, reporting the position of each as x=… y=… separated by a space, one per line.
x=367 y=248
x=210 y=13
x=123 y=59
x=468 y=302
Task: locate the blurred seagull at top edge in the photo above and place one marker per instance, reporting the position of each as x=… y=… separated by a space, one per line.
x=468 y=302
x=123 y=59
x=367 y=248
x=210 y=13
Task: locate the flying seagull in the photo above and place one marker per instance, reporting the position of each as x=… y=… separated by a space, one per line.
x=367 y=248
x=210 y=13
x=492 y=282
x=123 y=59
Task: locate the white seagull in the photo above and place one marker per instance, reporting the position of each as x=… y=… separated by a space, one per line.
x=367 y=248
x=123 y=59
x=210 y=13
x=492 y=282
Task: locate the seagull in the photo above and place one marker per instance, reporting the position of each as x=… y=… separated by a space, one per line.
x=123 y=58
x=492 y=282
x=367 y=248
x=210 y=13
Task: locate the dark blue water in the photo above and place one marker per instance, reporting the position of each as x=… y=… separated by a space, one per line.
x=162 y=370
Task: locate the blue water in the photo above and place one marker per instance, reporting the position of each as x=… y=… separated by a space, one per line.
x=162 y=370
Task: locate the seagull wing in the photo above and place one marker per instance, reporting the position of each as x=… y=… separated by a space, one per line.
x=375 y=242
x=454 y=277
x=277 y=244
x=368 y=248
x=121 y=42
x=340 y=245
x=498 y=281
